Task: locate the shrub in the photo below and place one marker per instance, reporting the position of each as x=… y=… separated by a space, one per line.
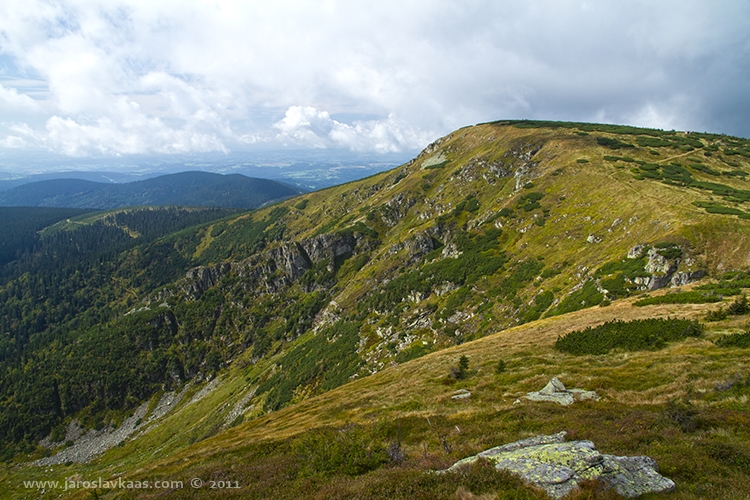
x=739 y=306
x=638 y=335
x=587 y=296
x=612 y=143
x=463 y=364
x=500 y=367
x=530 y=201
x=349 y=451
x=718 y=315
x=301 y=205
x=683 y=414
x=693 y=297
x=734 y=340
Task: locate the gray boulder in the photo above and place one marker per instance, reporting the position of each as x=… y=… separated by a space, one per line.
x=557 y=467
x=556 y=392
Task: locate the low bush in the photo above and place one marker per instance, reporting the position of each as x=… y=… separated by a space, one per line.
x=734 y=340
x=638 y=335
x=348 y=451
x=739 y=307
x=612 y=143
x=587 y=296
x=693 y=297
x=718 y=315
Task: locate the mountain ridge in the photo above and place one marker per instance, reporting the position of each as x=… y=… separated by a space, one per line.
x=185 y=188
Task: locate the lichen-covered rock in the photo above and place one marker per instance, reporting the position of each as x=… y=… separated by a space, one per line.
x=557 y=467
x=556 y=392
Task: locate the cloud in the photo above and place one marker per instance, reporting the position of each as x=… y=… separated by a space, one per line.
x=306 y=126
x=11 y=100
x=129 y=76
x=132 y=133
x=12 y=142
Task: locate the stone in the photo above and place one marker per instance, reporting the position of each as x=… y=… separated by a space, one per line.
x=682 y=279
x=556 y=392
x=550 y=463
x=553 y=386
x=636 y=251
x=657 y=263
x=461 y=394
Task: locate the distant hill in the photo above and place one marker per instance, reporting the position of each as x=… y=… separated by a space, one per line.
x=185 y=188
x=11 y=181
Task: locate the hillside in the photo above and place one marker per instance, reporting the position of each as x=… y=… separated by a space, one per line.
x=19 y=227
x=530 y=229
x=185 y=188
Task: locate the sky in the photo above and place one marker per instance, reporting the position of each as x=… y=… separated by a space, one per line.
x=85 y=78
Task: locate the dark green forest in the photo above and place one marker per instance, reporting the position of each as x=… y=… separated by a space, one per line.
x=66 y=342
x=19 y=227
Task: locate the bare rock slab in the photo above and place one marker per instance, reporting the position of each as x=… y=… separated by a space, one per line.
x=557 y=466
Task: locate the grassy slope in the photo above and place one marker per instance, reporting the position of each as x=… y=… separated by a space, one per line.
x=582 y=199
x=414 y=400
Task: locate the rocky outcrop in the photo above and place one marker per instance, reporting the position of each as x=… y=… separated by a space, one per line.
x=557 y=467
x=637 y=251
x=396 y=209
x=556 y=392
x=682 y=279
x=416 y=246
x=167 y=320
x=481 y=168
x=658 y=264
x=329 y=246
x=277 y=268
x=519 y=157
x=662 y=270
x=202 y=278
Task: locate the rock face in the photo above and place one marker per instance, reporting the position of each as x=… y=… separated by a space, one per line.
x=662 y=270
x=556 y=392
x=557 y=467
x=202 y=278
x=272 y=270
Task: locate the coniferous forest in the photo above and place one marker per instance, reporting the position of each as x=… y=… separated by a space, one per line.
x=64 y=347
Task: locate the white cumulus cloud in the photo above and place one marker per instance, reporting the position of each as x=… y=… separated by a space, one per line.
x=13 y=101
x=307 y=126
